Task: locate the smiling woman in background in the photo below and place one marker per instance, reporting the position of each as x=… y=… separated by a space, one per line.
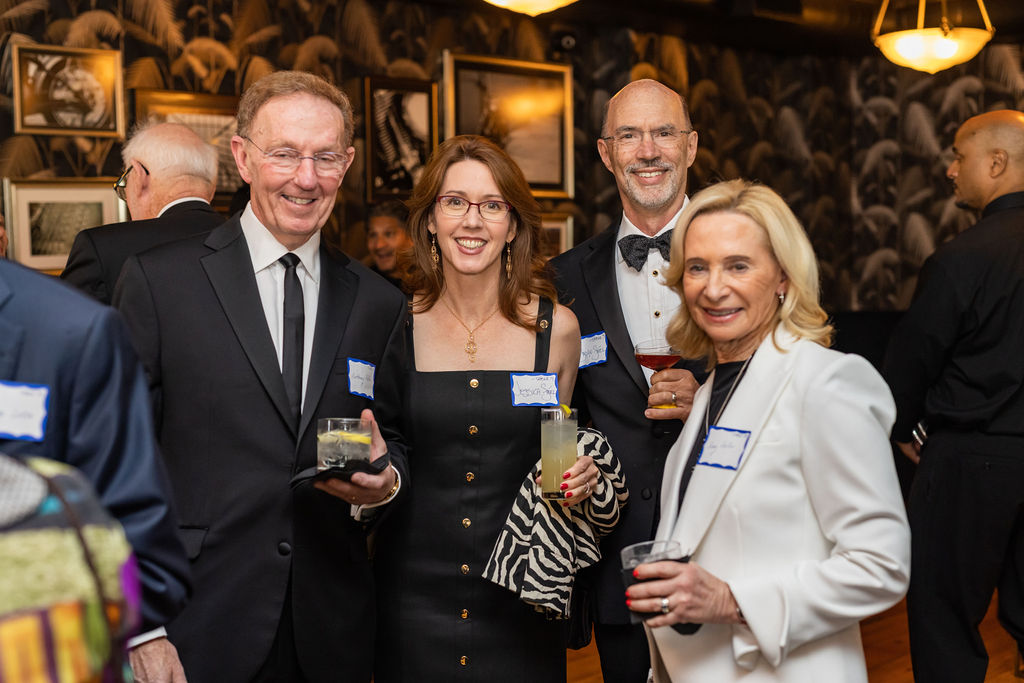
x=783 y=490
x=482 y=307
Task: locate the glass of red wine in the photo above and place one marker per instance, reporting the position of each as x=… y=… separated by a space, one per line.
x=657 y=355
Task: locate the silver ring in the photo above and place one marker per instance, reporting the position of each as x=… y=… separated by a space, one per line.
x=664 y=606
x=588 y=487
x=674 y=398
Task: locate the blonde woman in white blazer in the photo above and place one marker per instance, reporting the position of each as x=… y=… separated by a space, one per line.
x=792 y=516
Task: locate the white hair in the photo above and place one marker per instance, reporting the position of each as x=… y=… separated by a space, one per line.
x=171 y=149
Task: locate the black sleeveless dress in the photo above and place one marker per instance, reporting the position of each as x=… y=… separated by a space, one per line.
x=438 y=618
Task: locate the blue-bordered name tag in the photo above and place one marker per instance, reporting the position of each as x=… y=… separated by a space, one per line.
x=534 y=388
x=724 y=448
x=23 y=411
x=593 y=349
x=360 y=377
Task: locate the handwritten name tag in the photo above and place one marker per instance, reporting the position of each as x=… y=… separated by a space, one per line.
x=724 y=448
x=360 y=377
x=593 y=349
x=23 y=411
x=534 y=389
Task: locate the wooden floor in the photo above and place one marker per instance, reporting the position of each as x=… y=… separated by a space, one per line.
x=885 y=647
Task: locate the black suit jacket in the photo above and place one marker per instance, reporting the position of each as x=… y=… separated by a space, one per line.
x=230 y=447
x=613 y=395
x=98 y=419
x=98 y=254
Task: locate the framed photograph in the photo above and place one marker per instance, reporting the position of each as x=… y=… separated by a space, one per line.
x=401 y=132
x=212 y=117
x=43 y=216
x=68 y=91
x=556 y=233
x=526 y=107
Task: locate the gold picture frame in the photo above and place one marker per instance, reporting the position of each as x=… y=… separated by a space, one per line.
x=212 y=117
x=525 y=107
x=67 y=91
x=556 y=231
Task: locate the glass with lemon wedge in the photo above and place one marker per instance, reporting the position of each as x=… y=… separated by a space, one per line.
x=340 y=440
x=557 y=448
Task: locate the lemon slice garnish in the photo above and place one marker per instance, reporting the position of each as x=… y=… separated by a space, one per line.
x=565 y=409
x=354 y=436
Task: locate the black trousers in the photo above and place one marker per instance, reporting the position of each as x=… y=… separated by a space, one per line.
x=967 y=531
x=625 y=656
x=282 y=664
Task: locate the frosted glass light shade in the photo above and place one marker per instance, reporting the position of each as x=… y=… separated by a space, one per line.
x=531 y=7
x=930 y=49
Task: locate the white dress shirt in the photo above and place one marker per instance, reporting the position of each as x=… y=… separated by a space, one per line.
x=647 y=303
x=265 y=250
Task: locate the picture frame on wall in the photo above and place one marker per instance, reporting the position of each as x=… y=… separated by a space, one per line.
x=556 y=234
x=525 y=107
x=401 y=133
x=212 y=117
x=67 y=91
x=44 y=216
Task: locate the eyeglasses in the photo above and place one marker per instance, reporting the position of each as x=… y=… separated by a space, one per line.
x=122 y=182
x=457 y=207
x=327 y=164
x=630 y=138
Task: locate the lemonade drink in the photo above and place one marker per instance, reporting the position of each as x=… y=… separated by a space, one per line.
x=557 y=448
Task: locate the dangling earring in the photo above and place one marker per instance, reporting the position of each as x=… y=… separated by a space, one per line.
x=433 y=252
x=508 y=260
x=782 y=298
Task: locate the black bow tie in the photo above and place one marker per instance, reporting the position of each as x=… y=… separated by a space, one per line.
x=634 y=248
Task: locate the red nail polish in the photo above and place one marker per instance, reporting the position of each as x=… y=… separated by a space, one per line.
x=564 y=486
x=565 y=505
x=566 y=475
x=569 y=495
x=629 y=603
x=636 y=574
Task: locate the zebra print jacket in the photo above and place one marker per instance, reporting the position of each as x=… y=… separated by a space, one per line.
x=544 y=544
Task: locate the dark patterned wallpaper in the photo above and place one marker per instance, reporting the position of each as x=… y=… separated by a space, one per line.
x=857 y=147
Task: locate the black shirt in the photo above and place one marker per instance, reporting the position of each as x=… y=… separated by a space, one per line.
x=726 y=375
x=956 y=358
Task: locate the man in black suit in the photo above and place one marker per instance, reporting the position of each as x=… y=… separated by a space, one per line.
x=614 y=284
x=249 y=335
x=169 y=179
x=956 y=370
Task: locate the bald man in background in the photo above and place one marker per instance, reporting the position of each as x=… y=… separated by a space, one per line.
x=169 y=180
x=956 y=368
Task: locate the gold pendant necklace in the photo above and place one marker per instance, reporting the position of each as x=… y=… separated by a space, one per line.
x=471 y=347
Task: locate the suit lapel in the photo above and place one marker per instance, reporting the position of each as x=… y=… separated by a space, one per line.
x=11 y=336
x=749 y=408
x=338 y=287
x=597 y=267
x=229 y=269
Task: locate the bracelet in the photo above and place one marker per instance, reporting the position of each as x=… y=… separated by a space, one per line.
x=393 y=491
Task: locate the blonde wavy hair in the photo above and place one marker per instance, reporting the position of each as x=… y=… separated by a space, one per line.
x=801 y=313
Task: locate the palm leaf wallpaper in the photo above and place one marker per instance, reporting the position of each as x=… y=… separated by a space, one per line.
x=858 y=147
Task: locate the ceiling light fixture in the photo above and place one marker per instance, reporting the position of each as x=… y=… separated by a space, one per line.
x=932 y=49
x=531 y=7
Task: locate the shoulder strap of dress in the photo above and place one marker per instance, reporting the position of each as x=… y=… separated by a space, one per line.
x=540 y=357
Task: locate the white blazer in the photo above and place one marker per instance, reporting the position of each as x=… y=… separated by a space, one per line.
x=809 y=530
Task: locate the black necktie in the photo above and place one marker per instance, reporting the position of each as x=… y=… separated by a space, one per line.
x=292 y=334
x=634 y=248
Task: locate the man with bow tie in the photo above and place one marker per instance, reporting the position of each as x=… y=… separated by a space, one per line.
x=614 y=283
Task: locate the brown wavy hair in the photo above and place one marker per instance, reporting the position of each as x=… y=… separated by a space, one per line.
x=529 y=274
